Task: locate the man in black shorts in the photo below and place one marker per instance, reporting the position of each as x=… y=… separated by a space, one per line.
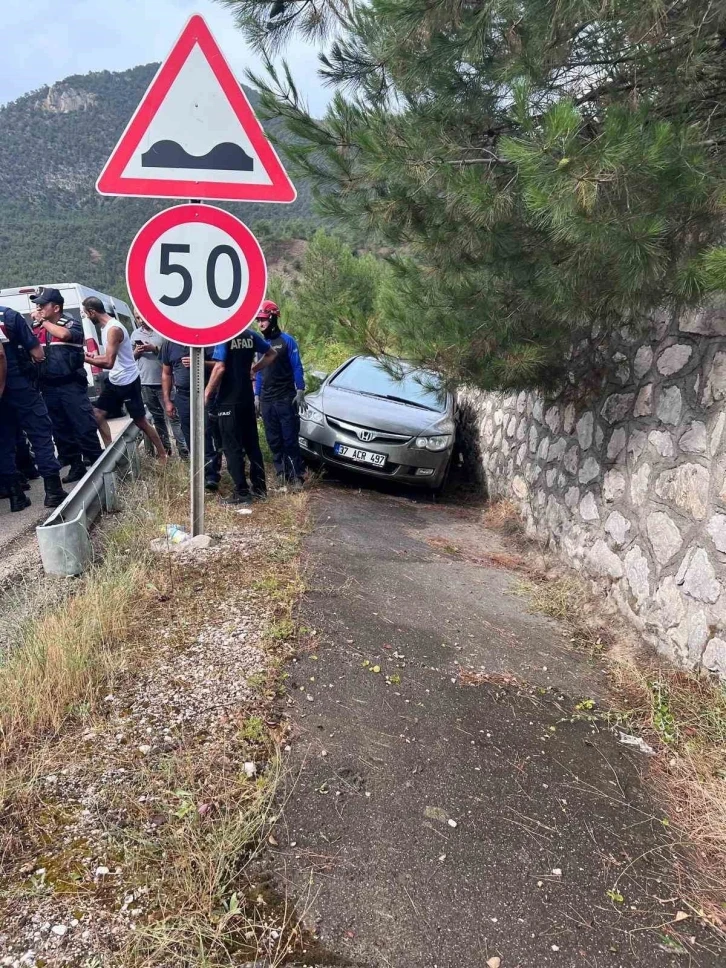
x=124 y=382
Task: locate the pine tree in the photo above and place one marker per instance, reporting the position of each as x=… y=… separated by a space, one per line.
x=538 y=166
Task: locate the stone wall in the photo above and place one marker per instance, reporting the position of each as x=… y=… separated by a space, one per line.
x=627 y=476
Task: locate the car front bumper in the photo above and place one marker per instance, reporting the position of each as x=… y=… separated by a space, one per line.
x=404 y=463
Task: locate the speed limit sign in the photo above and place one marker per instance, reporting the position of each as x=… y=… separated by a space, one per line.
x=196 y=274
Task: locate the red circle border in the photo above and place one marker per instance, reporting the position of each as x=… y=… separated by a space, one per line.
x=139 y=250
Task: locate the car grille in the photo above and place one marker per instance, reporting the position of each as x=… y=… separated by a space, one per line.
x=379 y=436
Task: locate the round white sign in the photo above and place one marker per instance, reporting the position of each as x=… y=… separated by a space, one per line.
x=196 y=274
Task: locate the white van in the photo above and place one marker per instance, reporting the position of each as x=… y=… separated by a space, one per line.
x=73 y=295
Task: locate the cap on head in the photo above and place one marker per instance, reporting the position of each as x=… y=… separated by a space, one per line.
x=267 y=309
x=46 y=296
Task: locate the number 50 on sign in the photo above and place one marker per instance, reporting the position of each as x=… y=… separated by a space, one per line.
x=196 y=274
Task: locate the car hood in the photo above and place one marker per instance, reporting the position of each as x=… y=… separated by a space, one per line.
x=379 y=413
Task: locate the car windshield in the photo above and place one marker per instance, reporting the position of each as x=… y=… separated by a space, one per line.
x=417 y=388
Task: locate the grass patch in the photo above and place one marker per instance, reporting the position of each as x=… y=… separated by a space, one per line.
x=196 y=815
x=62 y=660
x=568 y=599
x=503 y=516
x=684 y=716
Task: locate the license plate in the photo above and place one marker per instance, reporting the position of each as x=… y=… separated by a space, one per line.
x=360 y=456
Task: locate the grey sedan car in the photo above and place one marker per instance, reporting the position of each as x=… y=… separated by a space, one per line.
x=386 y=419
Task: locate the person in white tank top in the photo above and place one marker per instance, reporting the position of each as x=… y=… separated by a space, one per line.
x=124 y=382
x=125 y=369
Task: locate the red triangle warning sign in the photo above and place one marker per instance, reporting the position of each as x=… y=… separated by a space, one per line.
x=195 y=135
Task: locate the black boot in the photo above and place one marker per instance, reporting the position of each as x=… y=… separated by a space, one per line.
x=76 y=471
x=54 y=493
x=24 y=482
x=18 y=499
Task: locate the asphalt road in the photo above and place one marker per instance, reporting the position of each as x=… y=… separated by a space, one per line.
x=448 y=805
x=15 y=526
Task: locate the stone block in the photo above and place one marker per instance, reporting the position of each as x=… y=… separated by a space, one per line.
x=613 y=486
x=497 y=439
x=670 y=404
x=685 y=486
x=644 y=402
x=663 y=443
x=533 y=439
x=623 y=373
x=714 y=656
x=695 y=439
x=602 y=561
x=639 y=482
x=715 y=389
x=519 y=487
x=522 y=430
x=669 y=602
x=697 y=635
x=636 y=444
x=544 y=449
x=552 y=419
x=588 y=509
x=538 y=410
x=550 y=476
x=568 y=422
x=617 y=407
x=637 y=572
x=706 y=321
x=511 y=427
x=498 y=418
x=522 y=402
x=557 y=450
x=717 y=529
x=617 y=527
x=572 y=496
x=697 y=576
x=599 y=436
x=584 y=430
x=616 y=444
x=716 y=432
x=674 y=358
x=521 y=454
x=571 y=460
x=589 y=471
x=664 y=536
x=643 y=362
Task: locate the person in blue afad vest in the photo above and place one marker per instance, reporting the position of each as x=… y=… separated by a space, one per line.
x=279 y=391
x=64 y=384
x=22 y=407
x=232 y=376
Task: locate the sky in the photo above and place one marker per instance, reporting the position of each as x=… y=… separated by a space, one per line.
x=46 y=40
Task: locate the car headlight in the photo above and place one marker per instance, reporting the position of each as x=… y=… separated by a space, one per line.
x=310 y=413
x=438 y=443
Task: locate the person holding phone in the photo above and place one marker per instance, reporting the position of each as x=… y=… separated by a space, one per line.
x=147 y=352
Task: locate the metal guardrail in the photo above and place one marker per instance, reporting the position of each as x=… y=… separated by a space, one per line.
x=63 y=539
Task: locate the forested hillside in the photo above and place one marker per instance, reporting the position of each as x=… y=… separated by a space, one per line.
x=55 y=227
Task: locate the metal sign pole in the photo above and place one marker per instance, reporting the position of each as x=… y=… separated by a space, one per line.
x=197 y=434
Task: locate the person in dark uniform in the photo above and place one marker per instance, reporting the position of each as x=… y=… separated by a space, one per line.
x=22 y=407
x=231 y=380
x=176 y=388
x=279 y=391
x=64 y=385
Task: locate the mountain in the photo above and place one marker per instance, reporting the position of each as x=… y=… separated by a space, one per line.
x=54 y=226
